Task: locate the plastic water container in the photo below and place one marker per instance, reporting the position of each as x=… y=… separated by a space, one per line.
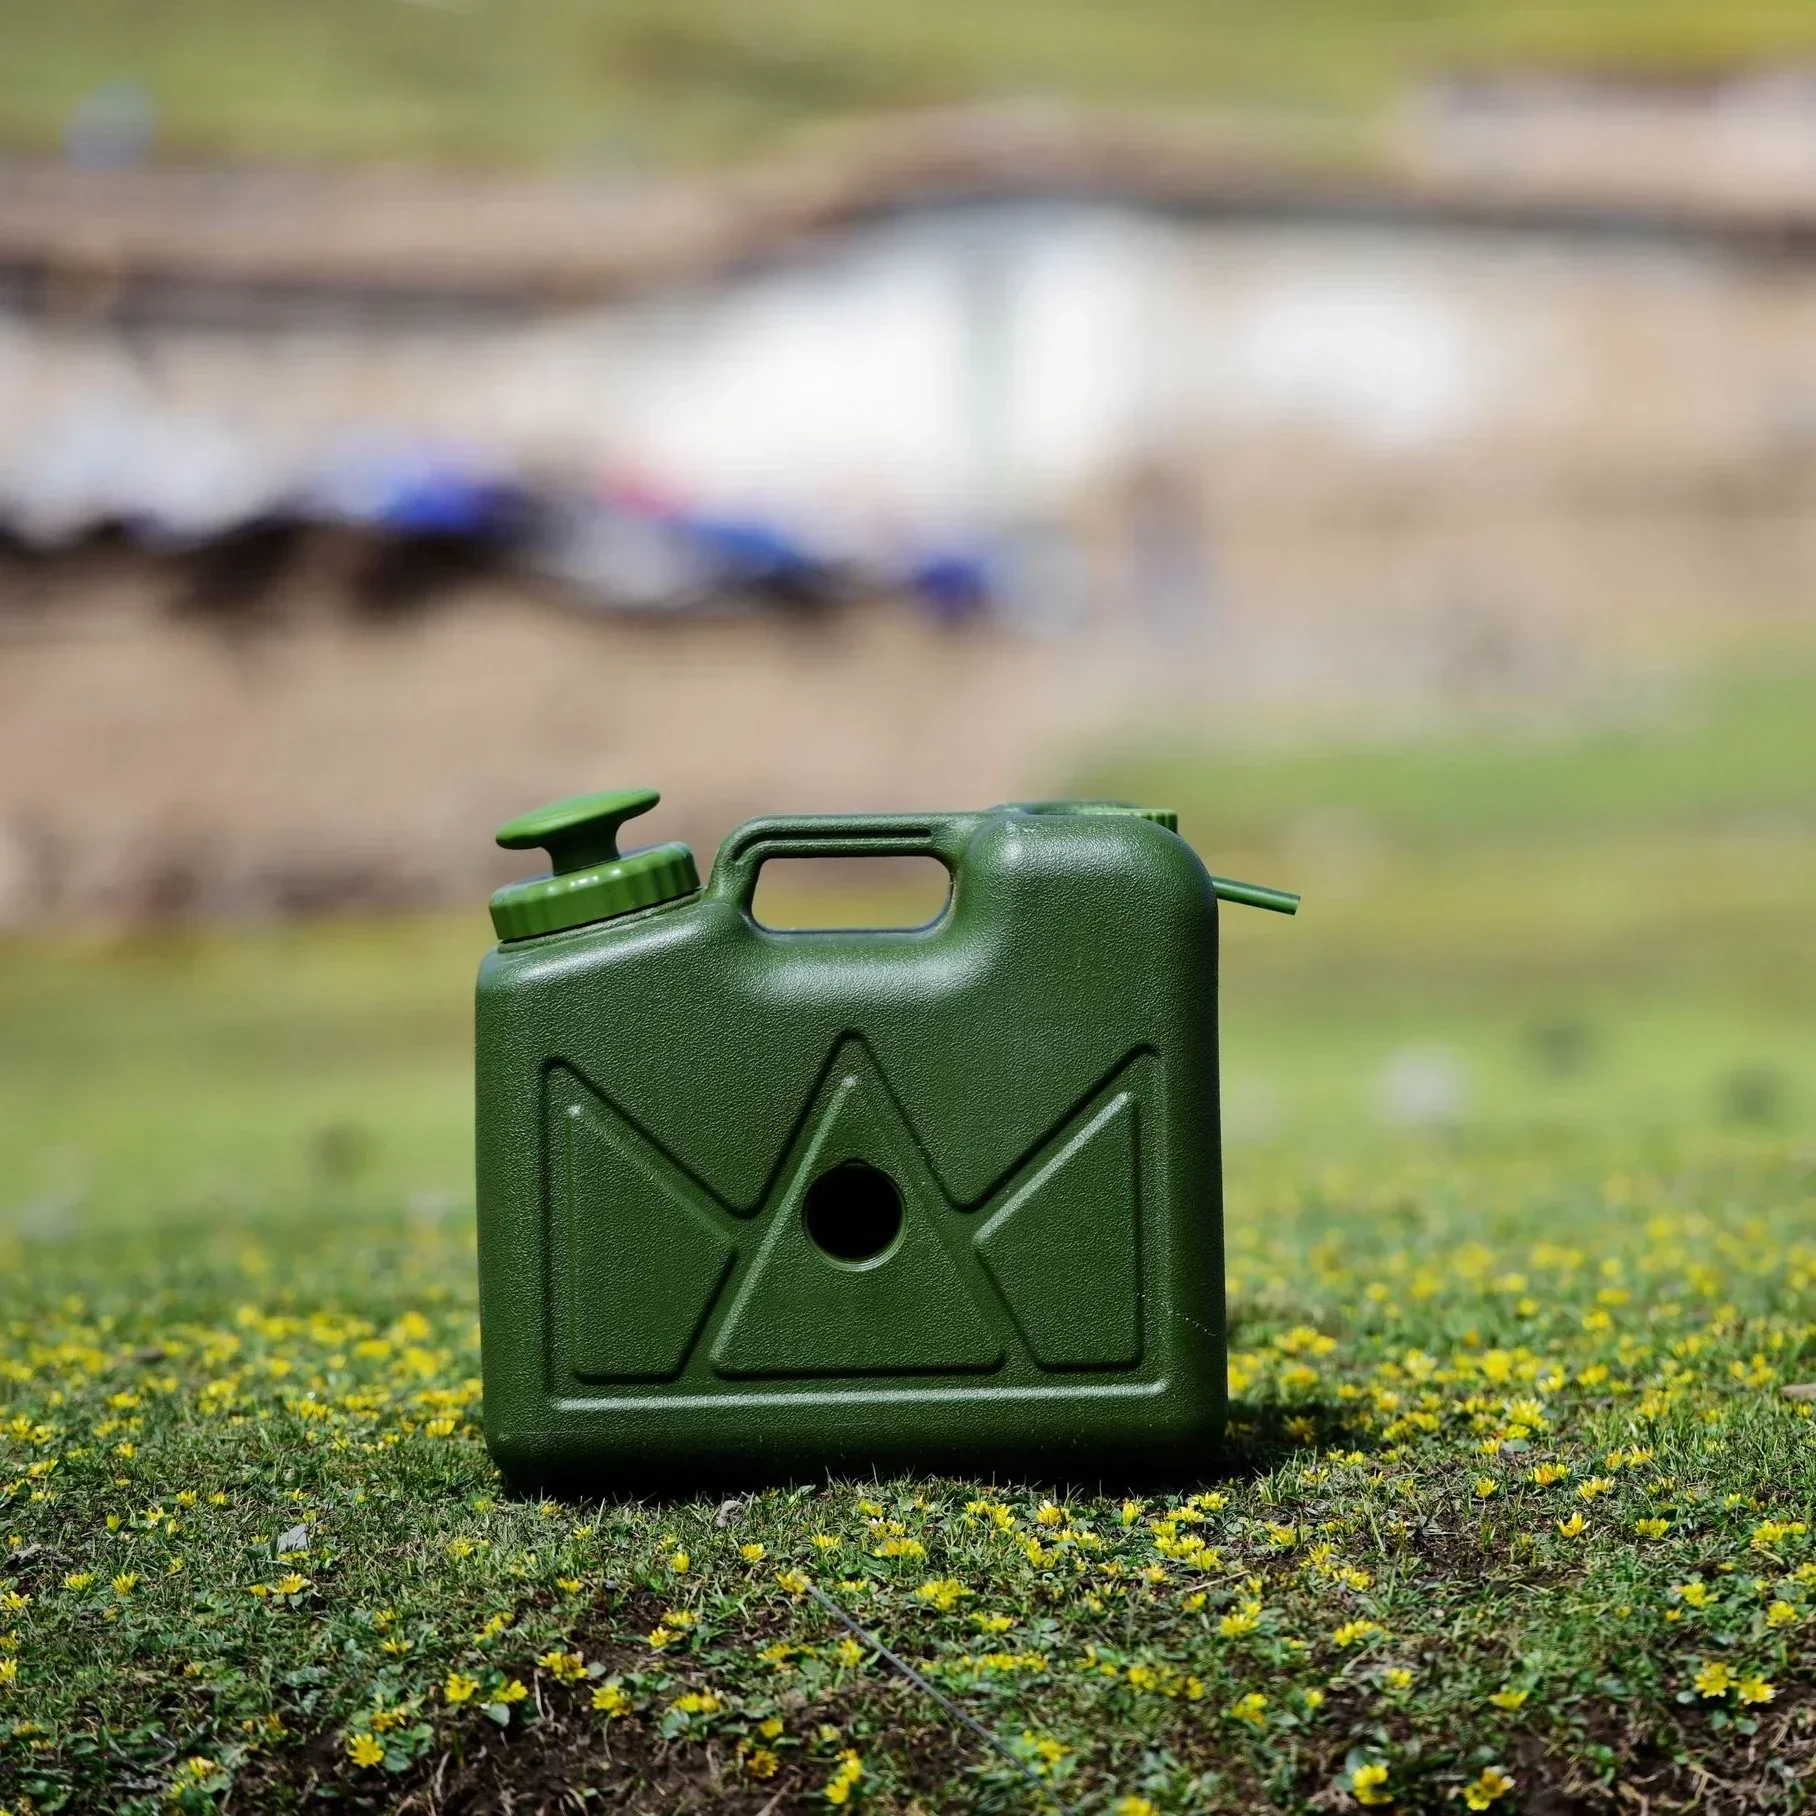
x=757 y=1204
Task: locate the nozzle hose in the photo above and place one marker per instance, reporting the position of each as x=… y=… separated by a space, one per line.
x=1255 y=895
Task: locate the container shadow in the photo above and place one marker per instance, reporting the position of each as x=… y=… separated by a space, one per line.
x=1261 y=1438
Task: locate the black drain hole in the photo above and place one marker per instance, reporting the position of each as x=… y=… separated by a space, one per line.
x=854 y=1211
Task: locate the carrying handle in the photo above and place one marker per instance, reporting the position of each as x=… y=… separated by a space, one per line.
x=749 y=847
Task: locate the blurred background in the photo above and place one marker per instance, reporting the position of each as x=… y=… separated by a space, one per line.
x=1386 y=434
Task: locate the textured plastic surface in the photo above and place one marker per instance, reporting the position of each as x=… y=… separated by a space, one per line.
x=757 y=1203
x=1251 y=895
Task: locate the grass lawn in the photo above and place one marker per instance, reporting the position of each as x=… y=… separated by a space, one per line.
x=1514 y=1513
x=663 y=81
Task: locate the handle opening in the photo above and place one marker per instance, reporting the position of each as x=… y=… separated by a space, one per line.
x=885 y=893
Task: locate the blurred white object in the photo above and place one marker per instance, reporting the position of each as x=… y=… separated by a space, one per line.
x=965 y=368
x=108 y=458
x=1423 y=1085
x=631 y=561
x=1380 y=357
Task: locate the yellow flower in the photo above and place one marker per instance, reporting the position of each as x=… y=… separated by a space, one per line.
x=1245 y=1617
x=1651 y=1529
x=1509 y=1699
x=1755 y=1689
x=1587 y=1491
x=1397 y=1678
x=1696 y=1594
x=1781 y=1614
x=1134 y=1806
x=1771 y=1533
x=78 y=1579
x=568 y=1585
x=9 y=1670
x=848 y=1652
x=771 y=1729
x=1251 y=1708
x=793 y=1581
x=678 y=1562
x=126 y=1582
x=1353 y=1631
x=460 y=1689
x=840 y=1785
x=512 y=1692
x=1713 y=1679
x=1485 y=1487
x=1369 y=1785
x=751 y=1554
x=762 y=1763
x=1314 y=1699
x=610 y=1698
x=824 y=1541
x=943 y=1592
x=364 y=1750
x=290 y=1585
x=564 y=1667
x=1547 y=1473
x=1571 y=1527
x=1492 y=1785
x=993 y=1623
x=1049 y=1515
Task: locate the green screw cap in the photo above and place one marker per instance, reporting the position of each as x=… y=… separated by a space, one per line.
x=590 y=880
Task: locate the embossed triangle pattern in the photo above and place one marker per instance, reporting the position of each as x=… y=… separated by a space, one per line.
x=908 y=1311
x=643 y=1250
x=643 y=1256
x=1062 y=1249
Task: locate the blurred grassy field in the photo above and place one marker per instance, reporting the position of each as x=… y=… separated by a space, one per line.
x=1592 y=938
x=543 y=81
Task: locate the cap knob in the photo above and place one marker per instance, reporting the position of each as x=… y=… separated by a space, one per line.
x=589 y=879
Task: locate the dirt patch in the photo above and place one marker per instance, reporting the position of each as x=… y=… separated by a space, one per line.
x=567 y=1757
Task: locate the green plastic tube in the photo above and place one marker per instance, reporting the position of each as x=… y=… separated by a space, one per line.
x=1255 y=895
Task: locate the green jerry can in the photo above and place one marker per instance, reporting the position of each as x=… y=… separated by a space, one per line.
x=758 y=1204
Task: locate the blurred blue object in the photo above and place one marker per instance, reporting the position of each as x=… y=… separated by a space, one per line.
x=415 y=490
x=747 y=552
x=451 y=504
x=954 y=585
